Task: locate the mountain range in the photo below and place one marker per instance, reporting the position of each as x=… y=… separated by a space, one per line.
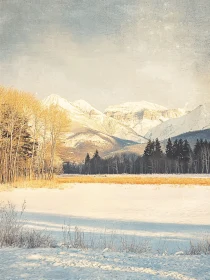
x=128 y=126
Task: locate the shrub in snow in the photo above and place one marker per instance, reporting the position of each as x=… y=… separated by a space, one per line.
x=74 y=237
x=200 y=247
x=14 y=233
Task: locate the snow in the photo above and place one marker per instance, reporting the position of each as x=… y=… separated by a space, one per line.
x=86 y=107
x=127 y=121
x=175 y=214
x=63 y=103
x=144 y=125
x=142 y=116
x=135 y=107
x=74 y=264
x=83 y=115
x=166 y=216
x=198 y=119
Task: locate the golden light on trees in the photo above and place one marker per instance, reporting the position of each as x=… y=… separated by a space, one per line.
x=30 y=135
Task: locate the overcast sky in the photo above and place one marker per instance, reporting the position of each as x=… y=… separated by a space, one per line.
x=107 y=51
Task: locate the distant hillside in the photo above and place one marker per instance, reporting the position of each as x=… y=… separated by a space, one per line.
x=137 y=149
x=192 y=136
x=88 y=141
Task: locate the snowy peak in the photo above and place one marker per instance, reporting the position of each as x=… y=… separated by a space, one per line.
x=54 y=99
x=78 y=106
x=85 y=107
x=83 y=115
x=135 y=107
x=198 y=119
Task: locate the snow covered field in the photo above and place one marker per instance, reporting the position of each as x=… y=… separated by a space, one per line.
x=75 y=264
x=167 y=217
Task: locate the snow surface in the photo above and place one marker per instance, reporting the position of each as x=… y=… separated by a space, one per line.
x=166 y=216
x=160 y=214
x=57 y=264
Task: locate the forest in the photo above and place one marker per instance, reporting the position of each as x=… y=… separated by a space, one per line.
x=31 y=136
x=178 y=158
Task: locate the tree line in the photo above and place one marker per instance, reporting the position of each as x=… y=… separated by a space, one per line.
x=178 y=157
x=31 y=135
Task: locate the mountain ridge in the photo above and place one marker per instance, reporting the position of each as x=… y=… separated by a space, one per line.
x=142 y=116
x=197 y=119
x=123 y=130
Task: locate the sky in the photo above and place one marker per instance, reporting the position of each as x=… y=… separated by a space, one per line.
x=108 y=51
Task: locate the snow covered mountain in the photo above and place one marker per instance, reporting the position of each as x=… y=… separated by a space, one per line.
x=125 y=127
x=198 y=119
x=83 y=115
x=91 y=130
x=142 y=116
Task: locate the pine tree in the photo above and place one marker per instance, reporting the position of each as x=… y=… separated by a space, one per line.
x=197 y=156
x=186 y=155
x=180 y=149
x=186 y=151
x=96 y=163
x=87 y=164
x=169 y=149
x=87 y=159
x=175 y=149
x=149 y=150
x=96 y=155
x=196 y=148
x=148 y=154
x=158 y=153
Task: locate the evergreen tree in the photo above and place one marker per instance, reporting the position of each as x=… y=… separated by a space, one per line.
x=169 y=149
x=148 y=153
x=149 y=150
x=87 y=164
x=180 y=149
x=186 y=151
x=205 y=144
x=87 y=159
x=158 y=153
x=197 y=156
x=196 y=148
x=96 y=155
x=186 y=155
x=175 y=149
x=96 y=163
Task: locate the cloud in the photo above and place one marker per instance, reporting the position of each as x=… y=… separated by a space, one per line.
x=107 y=53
